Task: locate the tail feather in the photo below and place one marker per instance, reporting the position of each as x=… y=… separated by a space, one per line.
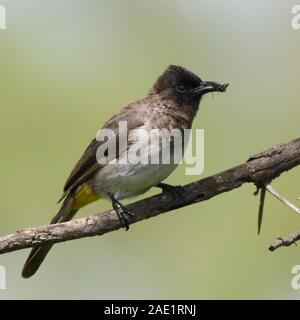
x=38 y=254
x=35 y=259
x=72 y=203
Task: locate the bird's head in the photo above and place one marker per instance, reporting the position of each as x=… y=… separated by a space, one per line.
x=183 y=87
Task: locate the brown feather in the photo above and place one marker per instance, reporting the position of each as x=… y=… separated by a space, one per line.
x=88 y=164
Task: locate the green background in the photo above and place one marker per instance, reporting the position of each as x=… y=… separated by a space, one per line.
x=67 y=66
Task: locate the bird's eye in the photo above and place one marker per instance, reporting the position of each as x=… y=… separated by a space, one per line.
x=181 y=89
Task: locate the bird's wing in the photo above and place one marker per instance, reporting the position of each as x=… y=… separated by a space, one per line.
x=88 y=164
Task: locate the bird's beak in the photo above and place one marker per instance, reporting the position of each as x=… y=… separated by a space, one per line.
x=210 y=86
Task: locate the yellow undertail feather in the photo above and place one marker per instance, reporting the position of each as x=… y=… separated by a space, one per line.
x=84 y=197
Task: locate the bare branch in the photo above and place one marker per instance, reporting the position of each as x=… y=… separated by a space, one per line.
x=293 y=237
x=284 y=241
x=264 y=166
x=282 y=198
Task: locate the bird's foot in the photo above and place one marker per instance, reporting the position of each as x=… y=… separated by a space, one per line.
x=122 y=212
x=175 y=191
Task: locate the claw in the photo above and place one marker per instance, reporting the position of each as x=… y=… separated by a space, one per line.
x=121 y=212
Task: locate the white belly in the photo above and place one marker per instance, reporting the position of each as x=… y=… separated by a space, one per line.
x=133 y=178
x=129 y=180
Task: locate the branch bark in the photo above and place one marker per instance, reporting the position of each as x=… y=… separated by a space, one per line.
x=285 y=241
x=260 y=168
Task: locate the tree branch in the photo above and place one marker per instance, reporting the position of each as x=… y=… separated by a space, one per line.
x=261 y=167
x=284 y=241
x=282 y=199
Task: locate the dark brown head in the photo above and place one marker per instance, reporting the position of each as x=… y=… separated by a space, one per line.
x=183 y=87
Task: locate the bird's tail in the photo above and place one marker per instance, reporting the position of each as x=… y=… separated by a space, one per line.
x=38 y=254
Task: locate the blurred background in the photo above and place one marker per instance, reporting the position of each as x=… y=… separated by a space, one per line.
x=67 y=66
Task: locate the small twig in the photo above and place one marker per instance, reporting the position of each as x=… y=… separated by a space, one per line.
x=293 y=237
x=282 y=198
x=261 y=208
x=284 y=241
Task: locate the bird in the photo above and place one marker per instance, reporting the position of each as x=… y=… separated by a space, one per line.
x=172 y=102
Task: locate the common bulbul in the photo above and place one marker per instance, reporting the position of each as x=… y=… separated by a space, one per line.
x=172 y=102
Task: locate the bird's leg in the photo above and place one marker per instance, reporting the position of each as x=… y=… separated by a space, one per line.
x=121 y=211
x=175 y=191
